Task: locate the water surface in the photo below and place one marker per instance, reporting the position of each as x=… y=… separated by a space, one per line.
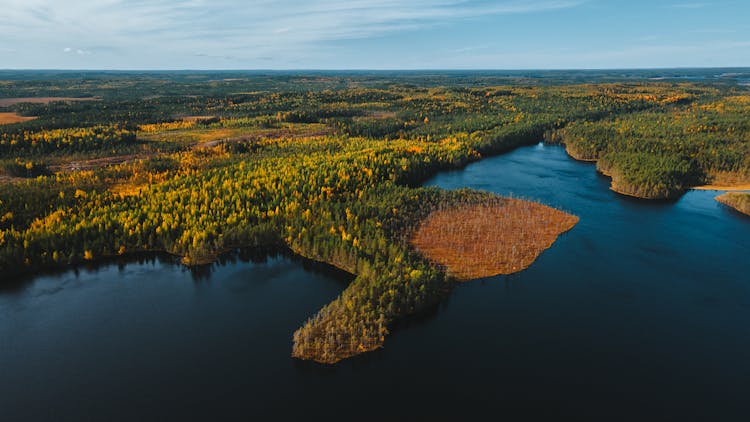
x=642 y=310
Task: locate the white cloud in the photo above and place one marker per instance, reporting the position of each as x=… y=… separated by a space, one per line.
x=78 y=51
x=246 y=29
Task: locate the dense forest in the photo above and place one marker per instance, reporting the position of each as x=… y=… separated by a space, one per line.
x=659 y=153
x=326 y=166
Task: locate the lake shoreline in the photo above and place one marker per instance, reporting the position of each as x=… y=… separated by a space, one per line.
x=738 y=202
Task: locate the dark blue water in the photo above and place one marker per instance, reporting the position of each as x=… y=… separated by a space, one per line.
x=642 y=312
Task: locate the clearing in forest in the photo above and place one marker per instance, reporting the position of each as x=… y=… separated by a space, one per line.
x=9 y=118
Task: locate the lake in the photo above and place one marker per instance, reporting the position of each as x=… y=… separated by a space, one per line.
x=643 y=309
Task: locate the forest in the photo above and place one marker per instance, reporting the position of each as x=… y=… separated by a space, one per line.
x=659 y=153
x=327 y=166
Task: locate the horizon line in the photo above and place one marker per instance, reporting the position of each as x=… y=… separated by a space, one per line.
x=370 y=69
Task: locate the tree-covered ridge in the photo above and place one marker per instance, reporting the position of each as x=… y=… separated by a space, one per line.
x=326 y=173
x=661 y=152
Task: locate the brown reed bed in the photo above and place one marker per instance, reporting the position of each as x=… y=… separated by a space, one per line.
x=498 y=236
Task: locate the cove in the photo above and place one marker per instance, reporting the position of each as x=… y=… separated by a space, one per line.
x=641 y=311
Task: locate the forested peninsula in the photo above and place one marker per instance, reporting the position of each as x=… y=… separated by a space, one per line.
x=738 y=201
x=702 y=138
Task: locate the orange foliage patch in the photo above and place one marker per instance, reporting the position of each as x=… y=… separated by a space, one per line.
x=498 y=237
x=8 y=118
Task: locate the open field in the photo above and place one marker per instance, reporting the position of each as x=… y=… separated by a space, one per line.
x=10 y=118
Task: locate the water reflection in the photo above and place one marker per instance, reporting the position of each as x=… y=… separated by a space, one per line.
x=198 y=273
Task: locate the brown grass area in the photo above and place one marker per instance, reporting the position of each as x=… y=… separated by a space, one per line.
x=8 y=118
x=487 y=239
x=7 y=102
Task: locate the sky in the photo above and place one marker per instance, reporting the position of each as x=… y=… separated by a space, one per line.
x=373 y=34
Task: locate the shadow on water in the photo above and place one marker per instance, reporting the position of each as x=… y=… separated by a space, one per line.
x=18 y=284
x=198 y=273
x=263 y=255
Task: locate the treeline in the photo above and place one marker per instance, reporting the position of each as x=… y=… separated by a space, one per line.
x=65 y=140
x=23 y=168
x=660 y=153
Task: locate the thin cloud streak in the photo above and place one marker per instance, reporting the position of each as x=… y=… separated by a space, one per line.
x=341 y=34
x=256 y=28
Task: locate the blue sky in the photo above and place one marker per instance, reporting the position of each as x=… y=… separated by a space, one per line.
x=372 y=34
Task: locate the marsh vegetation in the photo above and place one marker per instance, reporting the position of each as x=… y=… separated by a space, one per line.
x=490 y=236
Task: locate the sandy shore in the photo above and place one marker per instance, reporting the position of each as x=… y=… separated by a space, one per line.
x=732 y=188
